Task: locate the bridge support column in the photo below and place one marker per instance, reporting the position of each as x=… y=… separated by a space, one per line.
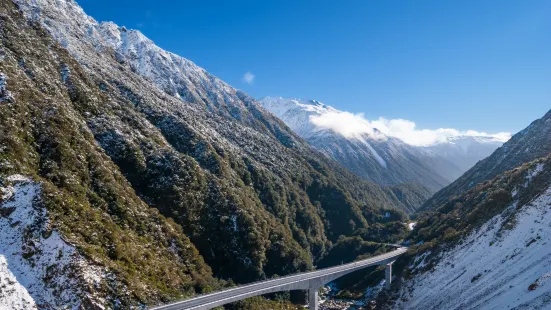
x=313 y=300
x=388 y=275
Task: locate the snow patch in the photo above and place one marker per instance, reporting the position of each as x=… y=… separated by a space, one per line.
x=12 y=294
x=535 y=171
x=234 y=225
x=378 y=157
x=41 y=268
x=3 y=82
x=5 y=95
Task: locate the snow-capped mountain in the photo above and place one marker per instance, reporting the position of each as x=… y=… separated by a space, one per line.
x=378 y=157
x=296 y=114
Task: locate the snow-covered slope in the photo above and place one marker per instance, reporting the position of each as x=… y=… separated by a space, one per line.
x=487 y=248
x=13 y=295
x=493 y=268
x=376 y=156
x=38 y=269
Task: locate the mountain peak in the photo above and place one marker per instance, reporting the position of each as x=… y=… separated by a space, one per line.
x=83 y=36
x=371 y=152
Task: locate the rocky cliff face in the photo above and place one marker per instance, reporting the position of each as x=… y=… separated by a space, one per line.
x=155 y=171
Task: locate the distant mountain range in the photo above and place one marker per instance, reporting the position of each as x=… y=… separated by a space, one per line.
x=380 y=158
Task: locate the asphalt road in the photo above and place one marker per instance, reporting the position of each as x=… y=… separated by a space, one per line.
x=304 y=280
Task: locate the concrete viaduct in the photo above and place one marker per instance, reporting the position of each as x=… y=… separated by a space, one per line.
x=310 y=281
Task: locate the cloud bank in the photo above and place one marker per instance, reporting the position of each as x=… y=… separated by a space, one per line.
x=354 y=125
x=248 y=78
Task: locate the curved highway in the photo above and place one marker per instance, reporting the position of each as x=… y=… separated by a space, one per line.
x=302 y=281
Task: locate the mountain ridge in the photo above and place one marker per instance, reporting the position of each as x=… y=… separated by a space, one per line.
x=378 y=157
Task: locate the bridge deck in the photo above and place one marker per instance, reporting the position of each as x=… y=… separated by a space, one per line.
x=301 y=281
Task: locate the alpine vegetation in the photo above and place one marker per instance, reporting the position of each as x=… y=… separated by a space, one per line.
x=165 y=178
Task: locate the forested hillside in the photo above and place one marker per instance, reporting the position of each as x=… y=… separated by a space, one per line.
x=165 y=191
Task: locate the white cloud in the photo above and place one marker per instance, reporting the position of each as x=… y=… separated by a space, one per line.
x=354 y=125
x=248 y=78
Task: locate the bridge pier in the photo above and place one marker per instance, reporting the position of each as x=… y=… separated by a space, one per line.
x=388 y=275
x=313 y=300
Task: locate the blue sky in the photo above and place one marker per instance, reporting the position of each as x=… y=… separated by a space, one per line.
x=481 y=65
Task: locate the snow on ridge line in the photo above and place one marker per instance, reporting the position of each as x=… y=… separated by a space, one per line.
x=83 y=37
x=492 y=268
x=355 y=125
x=37 y=266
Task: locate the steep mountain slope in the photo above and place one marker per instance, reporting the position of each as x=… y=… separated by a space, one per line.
x=487 y=248
x=112 y=149
x=531 y=143
x=70 y=26
x=377 y=157
x=74 y=231
x=483 y=242
x=408 y=196
x=27 y=242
